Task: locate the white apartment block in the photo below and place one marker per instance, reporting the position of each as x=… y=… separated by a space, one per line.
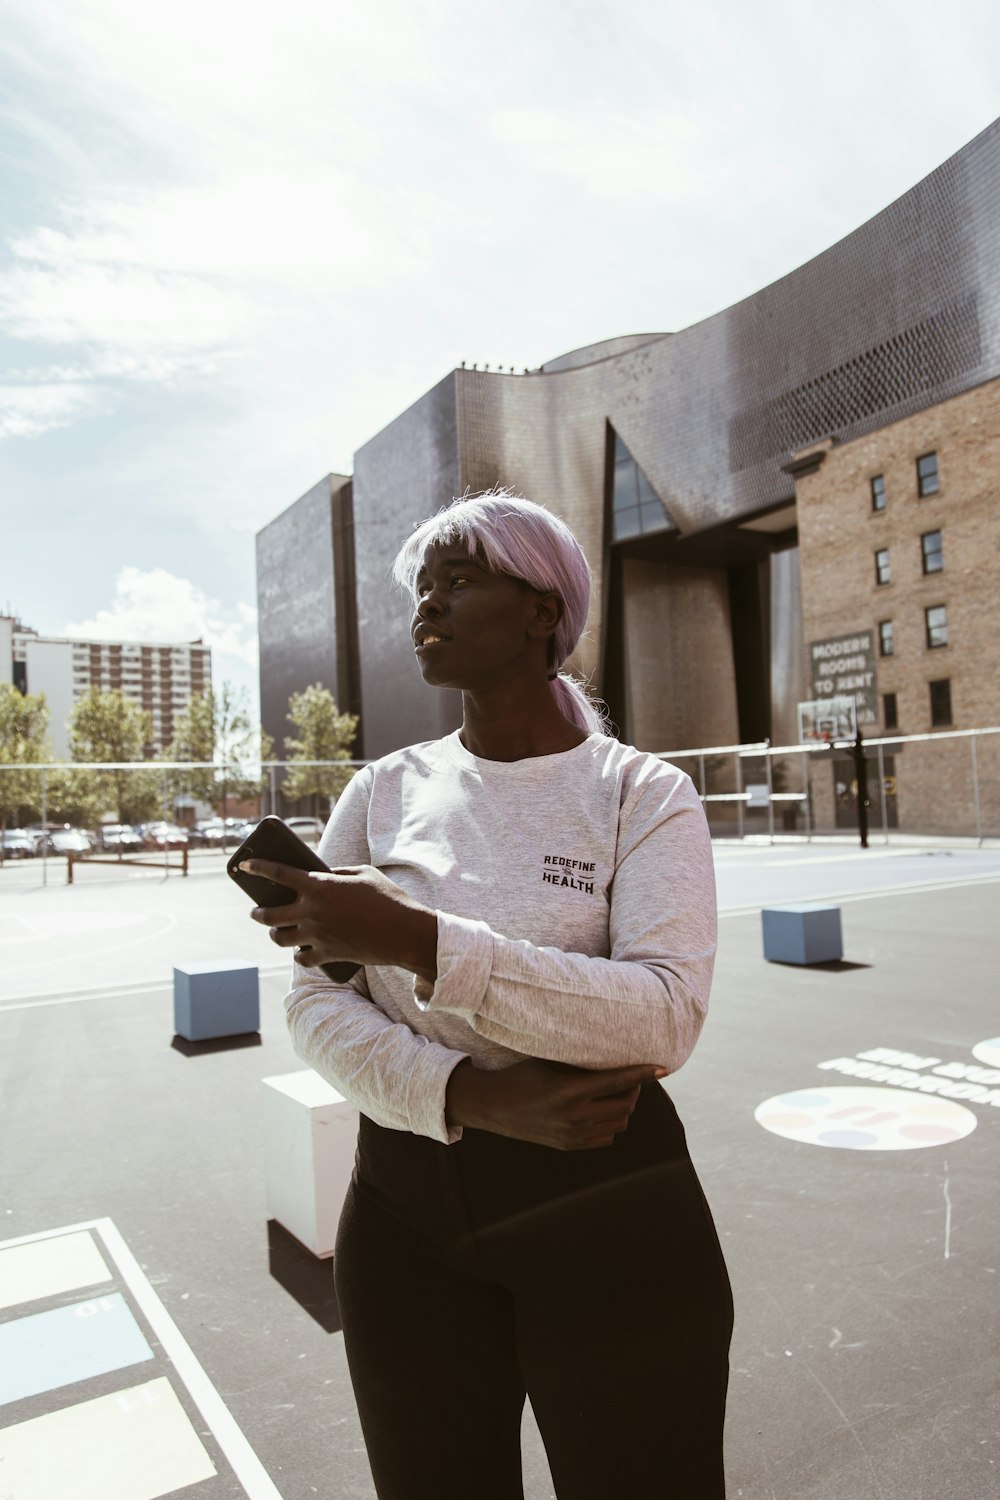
x=161 y=678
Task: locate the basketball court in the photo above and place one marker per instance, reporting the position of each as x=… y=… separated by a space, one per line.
x=158 y=1336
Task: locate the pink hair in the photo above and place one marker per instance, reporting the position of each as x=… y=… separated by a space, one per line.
x=523 y=540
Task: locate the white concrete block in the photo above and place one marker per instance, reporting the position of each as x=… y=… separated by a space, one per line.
x=310 y=1139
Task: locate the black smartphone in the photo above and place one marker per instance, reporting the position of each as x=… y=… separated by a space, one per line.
x=273 y=839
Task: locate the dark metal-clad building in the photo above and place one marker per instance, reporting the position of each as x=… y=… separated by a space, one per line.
x=673 y=457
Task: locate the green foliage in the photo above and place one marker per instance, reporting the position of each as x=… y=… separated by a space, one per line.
x=24 y=723
x=216 y=727
x=110 y=727
x=324 y=733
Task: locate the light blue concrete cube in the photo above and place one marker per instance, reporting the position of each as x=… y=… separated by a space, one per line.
x=216 y=999
x=806 y=934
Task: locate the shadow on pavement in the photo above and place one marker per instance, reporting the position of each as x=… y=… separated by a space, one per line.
x=304 y=1276
x=216 y=1043
x=832 y=966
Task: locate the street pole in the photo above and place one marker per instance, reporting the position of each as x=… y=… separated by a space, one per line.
x=861 y=779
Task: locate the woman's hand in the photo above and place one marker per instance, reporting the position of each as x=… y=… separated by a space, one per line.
x=354 y=914
x=544 y=1103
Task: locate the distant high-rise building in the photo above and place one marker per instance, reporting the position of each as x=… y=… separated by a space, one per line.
x=161 y=678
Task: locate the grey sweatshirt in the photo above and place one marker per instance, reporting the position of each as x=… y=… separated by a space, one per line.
x=575 y=898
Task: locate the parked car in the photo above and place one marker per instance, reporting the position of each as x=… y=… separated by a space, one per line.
x=207 y=833
x=119 y=838
x=41 y=834
x=16 y=844
x=309 y=829
x=69 y=841
x=164 y=836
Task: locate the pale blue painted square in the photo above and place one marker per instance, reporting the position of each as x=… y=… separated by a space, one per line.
x=808 y=933
x=51 y=1349
x=216 y=999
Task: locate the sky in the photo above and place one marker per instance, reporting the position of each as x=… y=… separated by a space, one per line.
x=237 y=240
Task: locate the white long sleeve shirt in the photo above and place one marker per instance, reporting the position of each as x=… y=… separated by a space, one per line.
x=575 y=898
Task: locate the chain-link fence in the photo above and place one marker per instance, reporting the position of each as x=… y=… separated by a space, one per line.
x=923 y=785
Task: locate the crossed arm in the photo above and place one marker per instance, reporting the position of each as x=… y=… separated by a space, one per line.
x=358 y=914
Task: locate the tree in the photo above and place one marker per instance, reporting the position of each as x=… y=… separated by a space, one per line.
x=216 y=727
x=325 y=734
x=111 y=728
x=24 y=723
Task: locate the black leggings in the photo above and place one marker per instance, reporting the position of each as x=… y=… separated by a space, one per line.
x=468 y=1275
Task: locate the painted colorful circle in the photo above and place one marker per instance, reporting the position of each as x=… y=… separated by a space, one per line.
x=873 y=1119
x=988 y=1052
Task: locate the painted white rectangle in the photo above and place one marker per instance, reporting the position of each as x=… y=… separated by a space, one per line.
x=136 y=1444
x=248 y=1468
x=44 y=1268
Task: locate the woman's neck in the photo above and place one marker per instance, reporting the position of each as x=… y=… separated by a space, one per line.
x=516 y=729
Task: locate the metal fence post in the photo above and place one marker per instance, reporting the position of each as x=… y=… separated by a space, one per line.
x=167 y=810
x=45 y=836
x=739 y=799
x=770 y=795
x=881 y=792
x=805 y=788
x=975 y=789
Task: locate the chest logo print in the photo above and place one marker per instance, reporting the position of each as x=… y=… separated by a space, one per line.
x=576 y=874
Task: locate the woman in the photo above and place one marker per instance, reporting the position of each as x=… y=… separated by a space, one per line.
x=532 y=907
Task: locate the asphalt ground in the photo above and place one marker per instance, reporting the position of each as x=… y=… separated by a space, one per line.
x=865 y=1360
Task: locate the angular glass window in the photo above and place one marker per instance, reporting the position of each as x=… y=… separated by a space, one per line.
x=882 y=565
x=940 y=692
x=932 y=549
x=927 y=474
x=636 y=508
x=937 y=625
x=886 y=644
x=890 y=711
x=878 y=492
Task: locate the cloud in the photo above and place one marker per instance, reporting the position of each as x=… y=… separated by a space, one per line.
x=28 y=411
x=154 y=605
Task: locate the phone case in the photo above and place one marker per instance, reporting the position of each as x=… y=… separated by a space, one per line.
x=273 y=839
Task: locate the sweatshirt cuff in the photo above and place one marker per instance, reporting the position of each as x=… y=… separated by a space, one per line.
x=464 y=966
x=427 y=1093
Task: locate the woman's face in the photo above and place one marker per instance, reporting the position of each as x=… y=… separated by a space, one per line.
x=473 y=628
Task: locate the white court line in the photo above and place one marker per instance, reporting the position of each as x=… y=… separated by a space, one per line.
x=886 y=890
x=249 y=1470
x=838 y=859
x=145 y=937
x=112 y=991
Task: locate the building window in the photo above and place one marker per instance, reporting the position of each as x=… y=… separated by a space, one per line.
x=937 y=625
x=890 y=711
x=636 y=507
x=885 y=638
x=940 y=692
x=878 y=492
x=882 y=565
x=927 y=474
x=933 y=551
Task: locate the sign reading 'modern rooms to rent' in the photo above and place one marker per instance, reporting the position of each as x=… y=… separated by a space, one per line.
x=843 y=666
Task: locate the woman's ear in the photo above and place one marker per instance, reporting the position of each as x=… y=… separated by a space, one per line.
x=549 y=611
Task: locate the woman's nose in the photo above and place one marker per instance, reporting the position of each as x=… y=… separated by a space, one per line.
x=428 y=604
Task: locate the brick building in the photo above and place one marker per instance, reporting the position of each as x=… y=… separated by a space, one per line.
x=899 y=544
